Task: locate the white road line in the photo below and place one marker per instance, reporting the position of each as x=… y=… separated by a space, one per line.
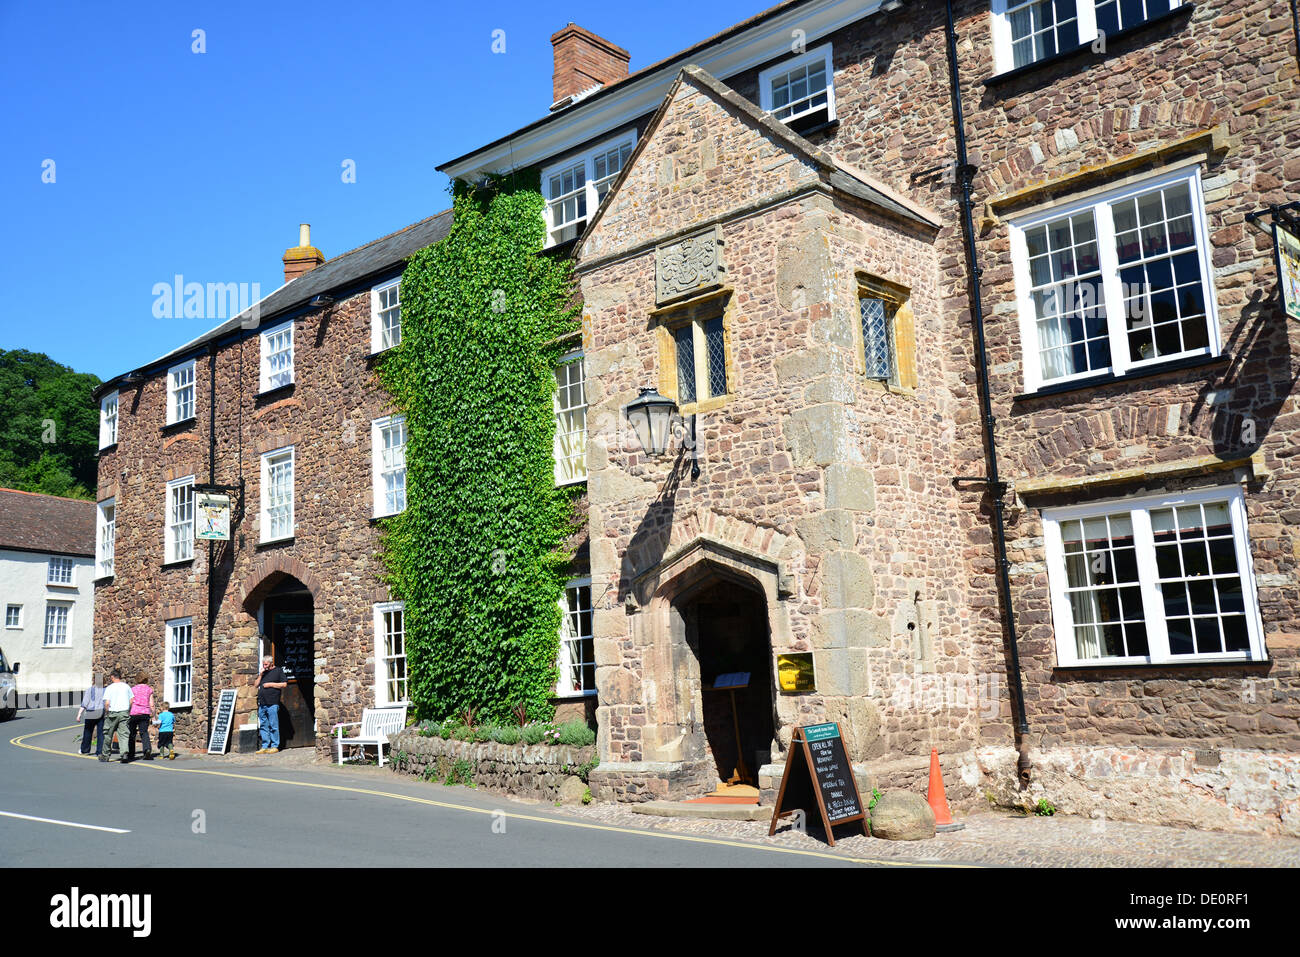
x=50 y=820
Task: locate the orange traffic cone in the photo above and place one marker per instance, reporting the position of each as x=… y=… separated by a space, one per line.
x=936 y=798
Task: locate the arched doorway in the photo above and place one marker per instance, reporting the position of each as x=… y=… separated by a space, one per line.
x=726 y=626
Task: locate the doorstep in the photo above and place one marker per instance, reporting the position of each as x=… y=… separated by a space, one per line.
x=704 y=810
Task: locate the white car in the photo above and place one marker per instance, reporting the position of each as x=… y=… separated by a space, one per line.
x=8 y=688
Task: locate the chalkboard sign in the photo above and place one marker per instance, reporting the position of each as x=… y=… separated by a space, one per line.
x=818 y=776
x=294 y=634
x=223 y=721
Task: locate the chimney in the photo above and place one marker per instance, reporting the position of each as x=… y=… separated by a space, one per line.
x=584 y=60
x=302 y=258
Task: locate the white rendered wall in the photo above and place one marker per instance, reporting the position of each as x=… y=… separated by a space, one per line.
x=23 y=581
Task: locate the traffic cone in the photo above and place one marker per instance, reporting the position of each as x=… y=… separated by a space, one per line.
x=936 y=798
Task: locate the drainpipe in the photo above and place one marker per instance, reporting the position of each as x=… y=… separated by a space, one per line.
x=212 y=480
x=996 y=487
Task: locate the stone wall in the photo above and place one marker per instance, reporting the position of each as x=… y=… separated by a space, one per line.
x=529 y=771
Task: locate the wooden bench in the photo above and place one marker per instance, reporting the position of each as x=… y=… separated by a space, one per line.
x=376 y=725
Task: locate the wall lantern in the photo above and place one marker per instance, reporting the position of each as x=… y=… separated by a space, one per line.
x=651 y=414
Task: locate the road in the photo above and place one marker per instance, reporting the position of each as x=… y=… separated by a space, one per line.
x=210 y=812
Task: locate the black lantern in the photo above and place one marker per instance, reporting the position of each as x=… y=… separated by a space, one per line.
x=650 y=414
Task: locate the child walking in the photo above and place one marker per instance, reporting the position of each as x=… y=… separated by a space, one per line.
x=166 y=725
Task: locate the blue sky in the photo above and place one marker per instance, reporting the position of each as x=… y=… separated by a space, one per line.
x=168 y=161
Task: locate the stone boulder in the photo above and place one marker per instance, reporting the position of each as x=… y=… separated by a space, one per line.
x=902 y=816
x=572 y=791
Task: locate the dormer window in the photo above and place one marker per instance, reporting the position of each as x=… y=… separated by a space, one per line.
x=577 y=185
x=800 y=91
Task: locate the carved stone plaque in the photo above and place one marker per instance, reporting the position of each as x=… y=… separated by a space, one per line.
x=687 y=265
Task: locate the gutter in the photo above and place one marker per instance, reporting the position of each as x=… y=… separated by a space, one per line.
x=995 y=487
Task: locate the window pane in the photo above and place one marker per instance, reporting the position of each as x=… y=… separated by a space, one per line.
x=717 y=356
x=684 y=338
x=877 y=341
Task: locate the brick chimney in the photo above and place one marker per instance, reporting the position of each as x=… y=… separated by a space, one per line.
x=584 y=60
x=302 y=258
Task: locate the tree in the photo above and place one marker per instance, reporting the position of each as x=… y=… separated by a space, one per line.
x=49 y=426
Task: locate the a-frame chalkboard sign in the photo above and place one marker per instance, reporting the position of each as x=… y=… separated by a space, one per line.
x=818 y=774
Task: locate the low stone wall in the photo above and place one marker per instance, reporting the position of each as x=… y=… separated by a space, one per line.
x=524 y=770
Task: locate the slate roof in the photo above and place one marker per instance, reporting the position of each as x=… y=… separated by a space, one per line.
x=374 y=258
x=46 y=523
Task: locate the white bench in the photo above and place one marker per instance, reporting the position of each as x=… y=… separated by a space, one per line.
x=376 y=725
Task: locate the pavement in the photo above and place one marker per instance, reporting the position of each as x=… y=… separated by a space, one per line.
x=325 y=815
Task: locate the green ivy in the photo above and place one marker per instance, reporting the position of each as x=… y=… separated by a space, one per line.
x=479 y=555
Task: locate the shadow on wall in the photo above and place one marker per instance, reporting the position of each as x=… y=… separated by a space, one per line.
x=1259 y=379
x=649 y=543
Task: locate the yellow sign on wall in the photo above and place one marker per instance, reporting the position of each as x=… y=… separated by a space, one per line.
x=1288 y=269
x=795 y=672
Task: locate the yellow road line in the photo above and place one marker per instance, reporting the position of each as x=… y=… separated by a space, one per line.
x=21 y=742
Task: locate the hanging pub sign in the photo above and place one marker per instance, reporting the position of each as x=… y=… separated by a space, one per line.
x=818 y=776
x=213 y=516
x=1286 y=244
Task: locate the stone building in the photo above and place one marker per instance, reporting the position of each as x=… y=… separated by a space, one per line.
x=1012 y=478
x=47 y=570
x=784 y=254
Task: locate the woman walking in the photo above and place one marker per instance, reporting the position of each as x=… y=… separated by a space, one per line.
x=92 y=714
x=141 y=712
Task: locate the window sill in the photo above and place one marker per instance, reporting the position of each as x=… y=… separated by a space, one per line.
x=824 y=126
x=372 y=356
x=179 y=425
x=69 y=585
x=55 y=647
x=574 y=481
x=1084 y=50
x=573 y=695
x=1109 y=671
x=279 y=392
x=103 y=449
x=179 y=563
x=105 y=578
x=272 y=542
x=1137 y=375
x=376 y=519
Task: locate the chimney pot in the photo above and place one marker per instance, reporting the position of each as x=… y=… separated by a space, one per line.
x=302 y=258
x=584 y=60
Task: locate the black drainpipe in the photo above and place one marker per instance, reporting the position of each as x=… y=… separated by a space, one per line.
x=212 y=480
x=996 y=488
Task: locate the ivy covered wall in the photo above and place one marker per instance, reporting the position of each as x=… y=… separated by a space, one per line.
x=479 y=554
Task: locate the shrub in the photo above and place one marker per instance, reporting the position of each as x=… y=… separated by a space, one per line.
x=506 y=735
x=576 y=734
x=533 y=733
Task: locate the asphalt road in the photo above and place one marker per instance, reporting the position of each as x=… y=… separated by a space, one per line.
x=210 y=812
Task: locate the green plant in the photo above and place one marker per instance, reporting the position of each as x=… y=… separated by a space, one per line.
x=875 y=796
x=533 y=733
x=586 y=796
x=505 y=735
x=576 y=734
x=1044 y=808
x=480 y=554
x=520 y=712
x=460 y=772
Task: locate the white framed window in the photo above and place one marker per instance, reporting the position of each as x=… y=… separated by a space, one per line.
x=570 y=420
x=61 y=571
x=577 y=649
x=178 y=678
x=1026 y=31
x=390 y=654
x=277 y=494
x=388 y=444
x=1155 y=579
x=178 y=526
x=1115 y=282
x=575 y=186
x=180 y=392
x=386 y=316
x=105 y=535
x=800 y=91
x=108 y=420
x=701 y=356
x=13 y=616
x=277 y=357
x=58 y=619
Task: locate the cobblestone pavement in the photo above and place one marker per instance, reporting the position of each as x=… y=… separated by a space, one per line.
x=996 y=839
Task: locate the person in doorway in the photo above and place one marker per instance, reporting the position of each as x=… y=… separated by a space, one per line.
x=117 y=704
x=91 y=713
x=269 y=685
x=141 y=713
x=166 y=726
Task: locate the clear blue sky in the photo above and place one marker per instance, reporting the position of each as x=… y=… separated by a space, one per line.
x=167 y=161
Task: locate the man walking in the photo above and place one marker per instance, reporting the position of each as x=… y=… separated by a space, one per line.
x=269 y=685
x=117 y=702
